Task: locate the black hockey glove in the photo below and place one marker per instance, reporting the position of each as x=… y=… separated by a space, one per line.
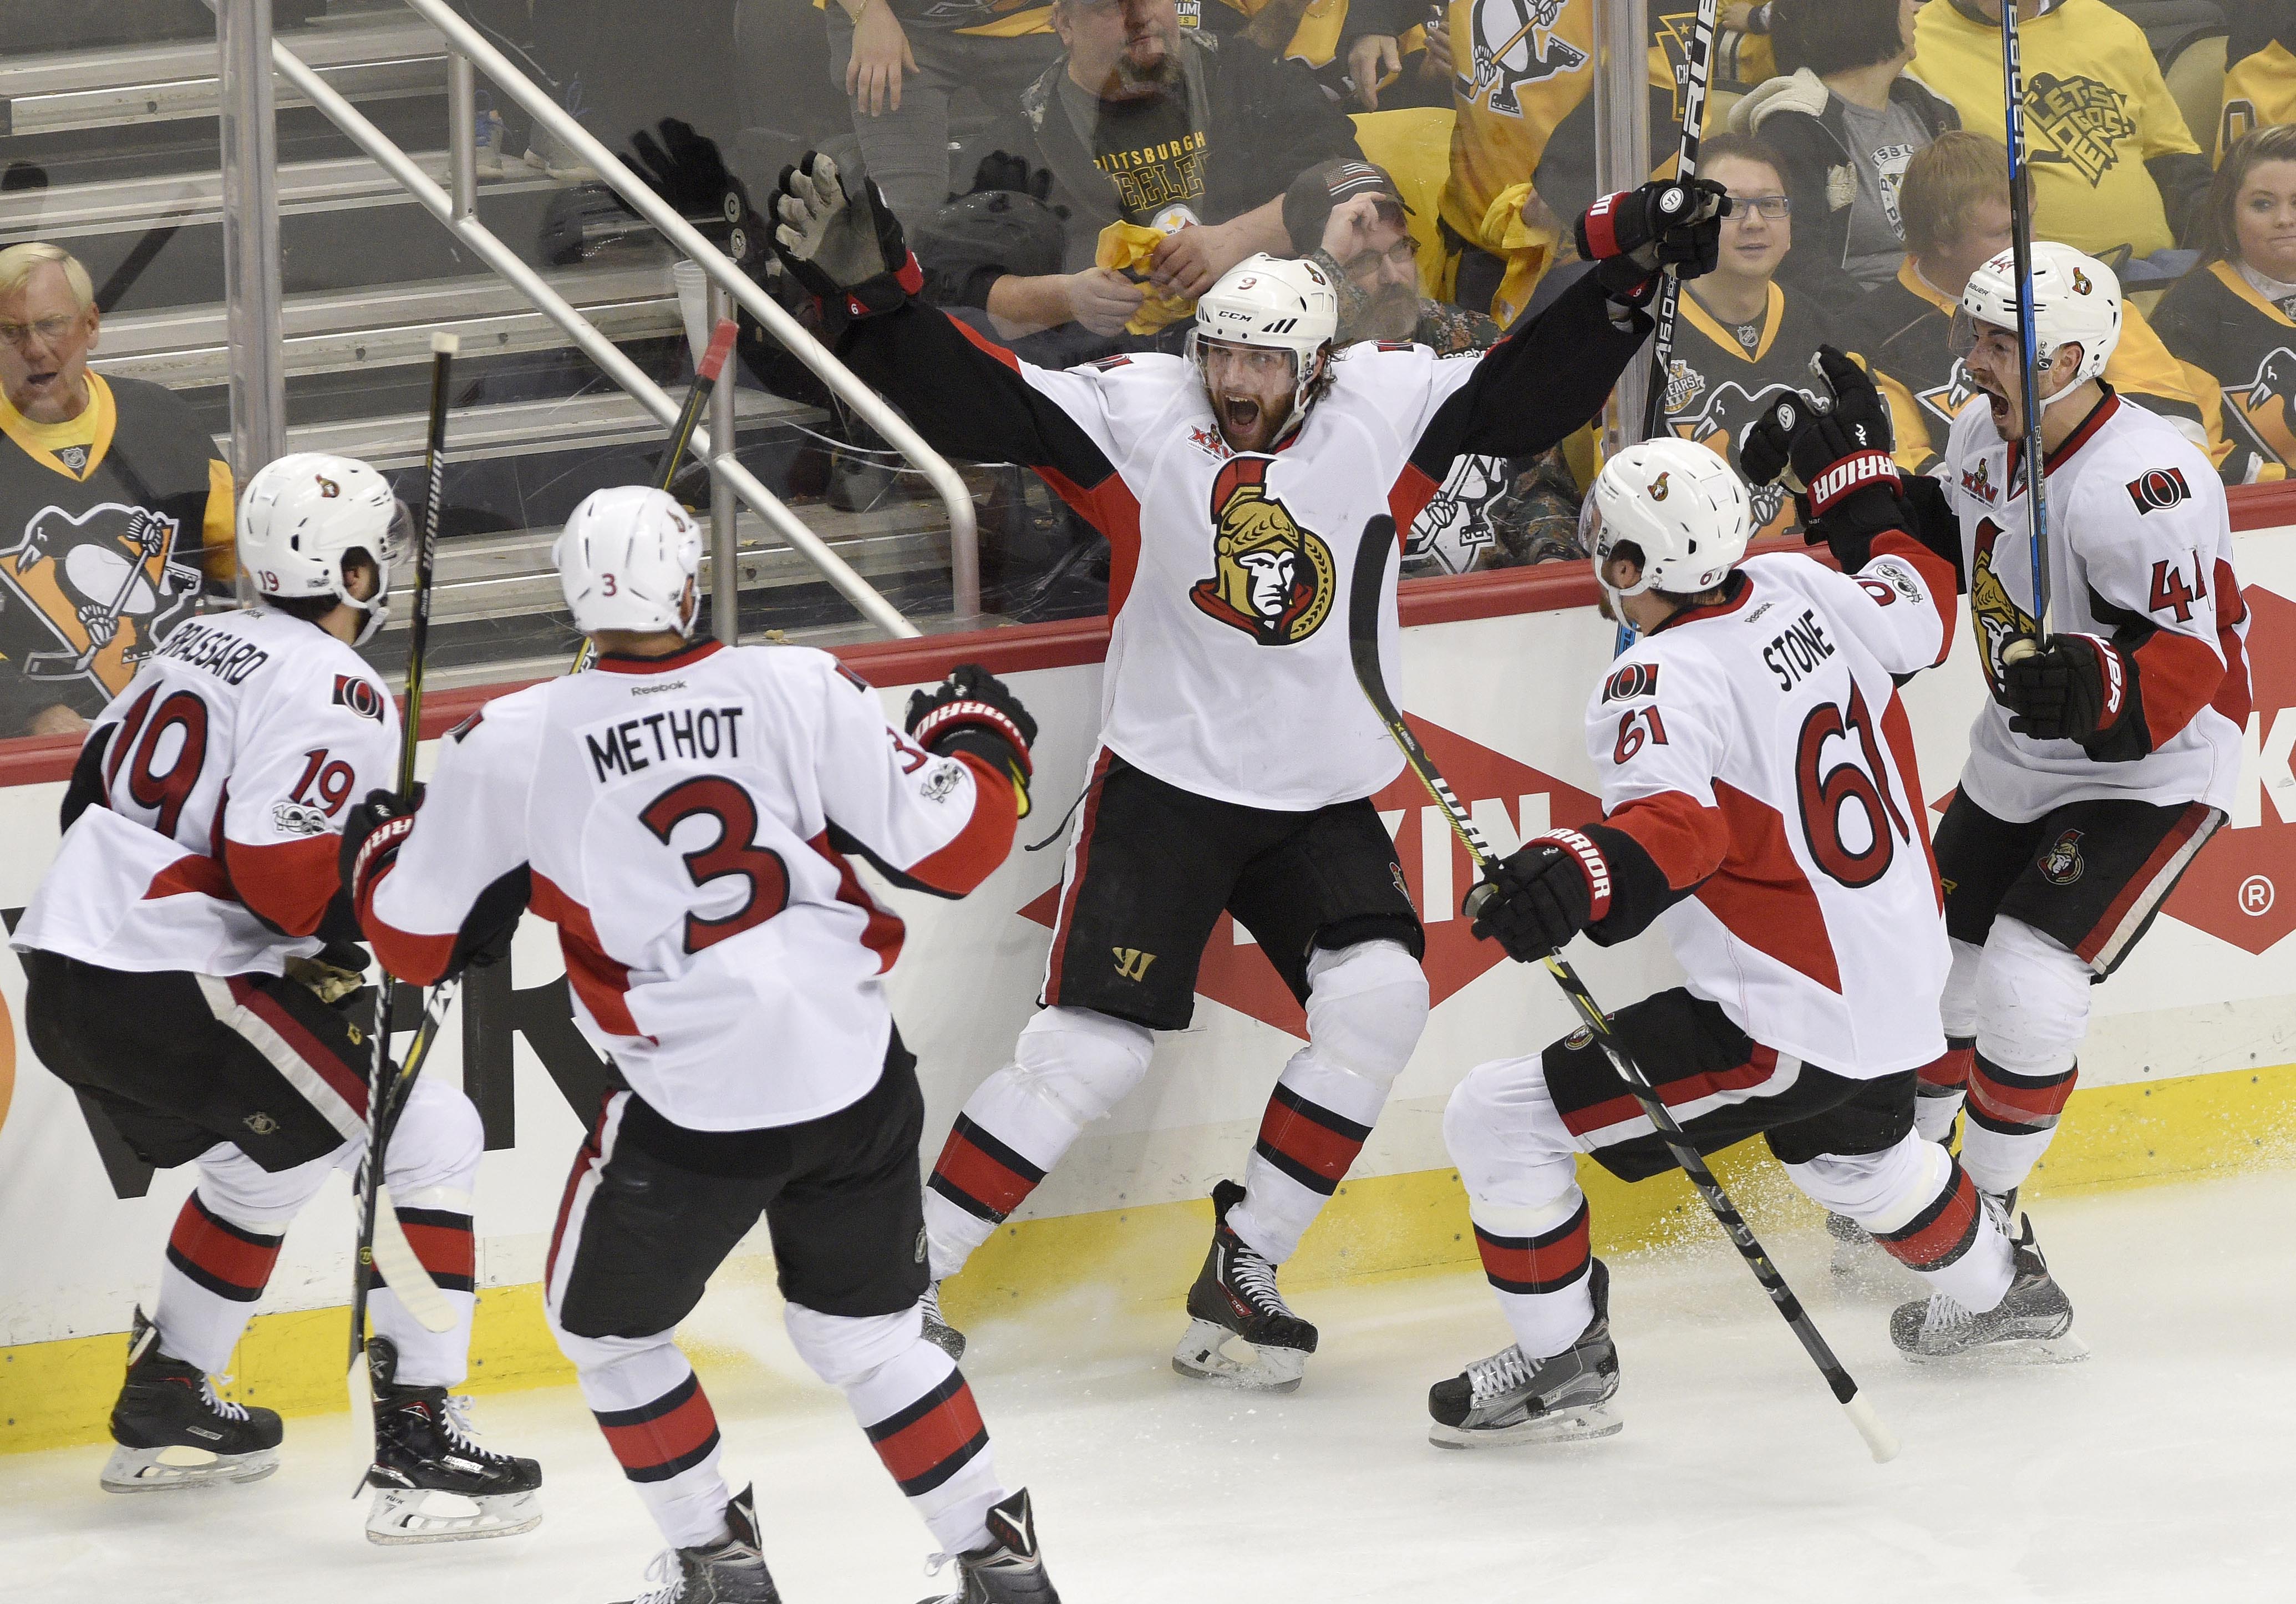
x=686 y=168
x=972 y=710
x=846 y=250
x=1631 y=235
x=2075 y=688
x=1535 y=902
x=1837 y=451
x=373 y=831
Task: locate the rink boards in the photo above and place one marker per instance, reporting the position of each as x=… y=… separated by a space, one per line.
x=2191 y=1065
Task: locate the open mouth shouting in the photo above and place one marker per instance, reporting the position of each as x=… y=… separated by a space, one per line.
x=1241 y=416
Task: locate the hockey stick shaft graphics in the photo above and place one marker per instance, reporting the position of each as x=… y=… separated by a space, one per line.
x=681 y=434
x=1366 y=602
x=1697 y=69
x=2021 y=239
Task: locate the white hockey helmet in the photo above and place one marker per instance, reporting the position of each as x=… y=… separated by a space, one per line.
x=2076 y=301
x=1271 y=301
x=624 y=559
x=303 y=513
x=1683 y=507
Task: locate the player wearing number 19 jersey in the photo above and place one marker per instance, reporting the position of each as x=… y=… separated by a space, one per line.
x=1759 y=799
x=189 y=965
x=689 y=816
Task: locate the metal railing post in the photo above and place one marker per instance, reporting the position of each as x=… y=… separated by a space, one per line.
x=1622 y=160
x=251 y=237
x=462 y=134
x=725 y=541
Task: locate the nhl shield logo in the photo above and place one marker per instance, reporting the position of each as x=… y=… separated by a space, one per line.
x=74 y=457
x=1271 y=579
x=2061 y=864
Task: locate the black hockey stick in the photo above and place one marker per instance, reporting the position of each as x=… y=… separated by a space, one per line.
x=1366 y=603
x=1697 y=69
x=2029 y=333
x=386 y=1090
x=681 y=434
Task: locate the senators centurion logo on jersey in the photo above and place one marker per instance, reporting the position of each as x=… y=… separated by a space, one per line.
x=95 y=592
x=1512 y=45
x=1271 y=579
x=2061 y=864
x=1993 y=612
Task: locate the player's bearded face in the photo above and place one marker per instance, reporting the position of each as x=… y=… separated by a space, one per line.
x=1249 y=388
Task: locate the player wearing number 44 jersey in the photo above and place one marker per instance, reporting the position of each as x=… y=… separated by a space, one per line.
x=190 y=972
x=688 y=815
x=2102 y=762
x=1759 y=798
x=1236 y=763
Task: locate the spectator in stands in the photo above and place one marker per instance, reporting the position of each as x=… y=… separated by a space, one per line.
x=1741 y=339
x=111 y=496
x=1846 y=121
x=2236 y=317
x=2259 y=83
x=2114 y=168
x=1955 y=205
x=1145 y=126
x=900 y=61
x=1349 y=217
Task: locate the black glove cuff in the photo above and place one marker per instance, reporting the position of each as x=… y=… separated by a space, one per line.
x=1626 y=281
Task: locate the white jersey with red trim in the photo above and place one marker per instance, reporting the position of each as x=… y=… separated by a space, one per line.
x=2140 y=555
x=1757 y=752
x=225 y=766
x=685 y=821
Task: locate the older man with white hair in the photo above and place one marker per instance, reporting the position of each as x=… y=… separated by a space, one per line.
x=111 y=501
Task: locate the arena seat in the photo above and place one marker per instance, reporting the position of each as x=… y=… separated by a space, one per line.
x=2196 y=77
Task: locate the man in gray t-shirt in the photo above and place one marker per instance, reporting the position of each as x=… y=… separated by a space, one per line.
x=1881 y=142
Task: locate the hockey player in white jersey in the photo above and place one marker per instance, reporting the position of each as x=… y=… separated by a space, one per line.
x=1760 y=799
x=2102 y=763
x=688 y=814
x=1235 y=763
x=189 y=965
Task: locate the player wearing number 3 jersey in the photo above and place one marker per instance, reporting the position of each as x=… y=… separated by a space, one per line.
x=689 y=816
x=190 y=970
x=1759 y=798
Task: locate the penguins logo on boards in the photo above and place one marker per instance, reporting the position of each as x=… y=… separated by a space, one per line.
x=1270 y=578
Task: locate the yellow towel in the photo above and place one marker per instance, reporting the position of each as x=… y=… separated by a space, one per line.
x=1128 y=247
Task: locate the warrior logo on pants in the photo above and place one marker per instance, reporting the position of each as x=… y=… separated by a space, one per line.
x=1270 y=578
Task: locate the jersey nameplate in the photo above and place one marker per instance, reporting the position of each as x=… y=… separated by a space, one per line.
x=621 y=747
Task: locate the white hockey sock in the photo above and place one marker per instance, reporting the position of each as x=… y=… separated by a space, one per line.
x=1538 y=1262
x=437 y=1221
x=217 y=1268
x=660 y=1425
x=1923 y=1210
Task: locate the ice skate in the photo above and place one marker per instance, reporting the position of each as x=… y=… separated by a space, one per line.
x=1508 y=1398
x=1854 y=1247
x=938 y=1331
x=431 y=1483
x=1235 y=1297
x=174 y=1432
x=732 y=1572
x=1007 y=1569
x=2032 y=1324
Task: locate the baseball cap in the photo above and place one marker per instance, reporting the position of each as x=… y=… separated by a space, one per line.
x=1307 y=205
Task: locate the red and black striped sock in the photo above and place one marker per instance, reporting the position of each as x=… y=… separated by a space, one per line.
x=657 y=1441
x=218 y=1256
x=930 y=1440
x=1941 y=1233
x=1308 y=1142
x=983 y=1176
x=1548 y=1262
x=2015 y=1104
x=442 y=1245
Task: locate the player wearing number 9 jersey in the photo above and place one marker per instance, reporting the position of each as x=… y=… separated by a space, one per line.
x=191 y=971
x=1760 y=799
x=689 y=815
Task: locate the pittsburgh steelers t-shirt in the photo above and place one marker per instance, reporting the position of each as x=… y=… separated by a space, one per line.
x=1881 y=142
x=1152 y=151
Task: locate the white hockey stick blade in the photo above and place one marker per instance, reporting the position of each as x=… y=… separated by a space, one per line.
x=1879 y=1438
x=402 y=1273
x=360 y=1384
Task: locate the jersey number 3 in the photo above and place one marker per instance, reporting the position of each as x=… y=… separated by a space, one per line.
x=1825 y=791
x=735 y=853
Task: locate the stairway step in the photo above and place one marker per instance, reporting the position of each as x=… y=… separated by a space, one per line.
x=586 y=423
x=191 y=200
x=391 y=325
x=364 y=58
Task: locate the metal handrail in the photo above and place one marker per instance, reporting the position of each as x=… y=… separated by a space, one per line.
x=459 y=216
x=963 y=532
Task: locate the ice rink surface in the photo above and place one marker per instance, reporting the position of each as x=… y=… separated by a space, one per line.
x=2160 y=1469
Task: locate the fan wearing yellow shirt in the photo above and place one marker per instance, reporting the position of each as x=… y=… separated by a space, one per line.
x=2260 y=85
x=2114 y=165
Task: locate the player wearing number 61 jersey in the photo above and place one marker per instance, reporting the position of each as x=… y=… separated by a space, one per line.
x=191 y=971
x=1760 y=799
x=689 y=816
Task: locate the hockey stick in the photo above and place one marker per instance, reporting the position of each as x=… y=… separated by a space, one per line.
x=681 y=434
x=1364 y=605
x=387 y=1091
x=1697 y=69
x=2021 y=241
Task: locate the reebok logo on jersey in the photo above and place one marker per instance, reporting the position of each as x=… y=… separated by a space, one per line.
x=2159 y=490
x=359 y=695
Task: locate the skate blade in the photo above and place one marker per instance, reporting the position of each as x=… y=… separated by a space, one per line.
x=1579 y=1423
x=1201 y=1356
x=2066 y=1349
x=400 y=1515
x=148 y=1470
